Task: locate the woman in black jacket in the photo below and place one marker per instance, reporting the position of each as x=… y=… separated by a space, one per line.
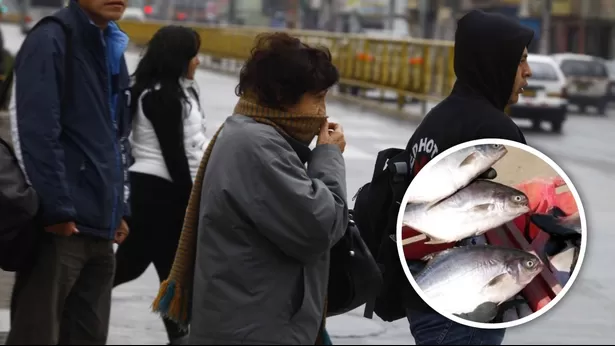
x=168 y=141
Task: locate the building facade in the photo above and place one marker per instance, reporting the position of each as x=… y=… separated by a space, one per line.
x=577 y=26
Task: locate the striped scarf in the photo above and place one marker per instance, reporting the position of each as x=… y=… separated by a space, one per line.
x=175 y=294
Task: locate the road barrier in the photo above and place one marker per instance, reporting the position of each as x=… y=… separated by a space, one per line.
x=410 y=68
x=398 y=70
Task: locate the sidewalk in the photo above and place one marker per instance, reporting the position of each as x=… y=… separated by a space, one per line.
x=133 y=323
x=6 y=285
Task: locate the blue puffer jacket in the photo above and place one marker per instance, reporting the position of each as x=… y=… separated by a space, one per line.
x=75 y=159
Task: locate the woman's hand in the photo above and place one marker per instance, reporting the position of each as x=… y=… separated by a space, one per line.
x=332 y=133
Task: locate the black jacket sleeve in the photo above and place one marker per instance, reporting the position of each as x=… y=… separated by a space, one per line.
x=165 y=114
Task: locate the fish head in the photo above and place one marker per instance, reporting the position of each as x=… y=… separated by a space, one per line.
x=512 y=201
x=479 y=158
x=524 y=267
x=492 y=151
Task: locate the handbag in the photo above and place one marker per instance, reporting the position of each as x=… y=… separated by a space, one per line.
x=354 y=275
x=19 y=205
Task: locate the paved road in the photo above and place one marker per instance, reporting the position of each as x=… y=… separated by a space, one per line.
x=584 y=316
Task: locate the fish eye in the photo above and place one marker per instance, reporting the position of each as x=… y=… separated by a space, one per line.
x=530 y=263
x=496 y=146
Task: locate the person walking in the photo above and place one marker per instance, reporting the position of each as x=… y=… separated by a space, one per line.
x=70 y=129
x=492 y=70
x=253 y=261
x=168 y=142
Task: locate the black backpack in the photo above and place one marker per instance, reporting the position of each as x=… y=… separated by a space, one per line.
x=19 y=204
x=375 y=211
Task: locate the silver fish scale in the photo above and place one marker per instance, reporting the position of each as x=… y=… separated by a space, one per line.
x=446 y=266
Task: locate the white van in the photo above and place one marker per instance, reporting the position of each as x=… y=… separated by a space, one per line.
x=544 y=99
x=587 y=80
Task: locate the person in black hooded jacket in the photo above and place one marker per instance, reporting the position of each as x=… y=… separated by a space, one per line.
x=492 y=70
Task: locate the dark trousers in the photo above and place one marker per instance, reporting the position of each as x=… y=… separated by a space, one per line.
x=155 y=227
x=65 y=297
x=430 y=328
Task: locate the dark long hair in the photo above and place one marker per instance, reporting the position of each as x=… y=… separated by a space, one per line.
x=166 y=60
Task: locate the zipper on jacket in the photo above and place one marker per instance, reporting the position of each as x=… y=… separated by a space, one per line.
x=113 y=116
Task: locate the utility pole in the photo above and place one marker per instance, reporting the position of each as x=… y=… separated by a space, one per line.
x=545 y=37
x=232 y=11
x=524 y=9
x=423 y=9
x=292 y=14
x=24 y=7
x=400 y=25
x=391 y=15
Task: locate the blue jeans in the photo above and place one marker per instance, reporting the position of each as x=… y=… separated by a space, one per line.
x=430 y=328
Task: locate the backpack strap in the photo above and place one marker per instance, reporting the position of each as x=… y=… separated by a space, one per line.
x=68 y=75
x=383 y=157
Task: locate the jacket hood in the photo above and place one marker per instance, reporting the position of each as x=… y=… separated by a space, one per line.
x=488 y=49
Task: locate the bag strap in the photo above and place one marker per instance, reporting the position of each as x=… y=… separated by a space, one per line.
x=382 y=158
x=392 y=164
x=68 y=53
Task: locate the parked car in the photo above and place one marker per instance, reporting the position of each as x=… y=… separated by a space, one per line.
x=587 y=80
x=610 y=65
x=134 y=13
x=544 y=99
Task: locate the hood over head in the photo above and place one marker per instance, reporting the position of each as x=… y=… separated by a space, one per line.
x=488 y=49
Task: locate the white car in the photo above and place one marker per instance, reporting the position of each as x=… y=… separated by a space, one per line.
x=544 y=99
x=610 y=66
x=134 y=13
x=587 y=80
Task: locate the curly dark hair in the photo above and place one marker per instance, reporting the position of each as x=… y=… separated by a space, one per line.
x=281 y=69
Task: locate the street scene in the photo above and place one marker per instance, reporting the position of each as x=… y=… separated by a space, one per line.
x=583 y=316
x=581 y=148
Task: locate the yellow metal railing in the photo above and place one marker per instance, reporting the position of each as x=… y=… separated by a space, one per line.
x=420 y=69
x=410 y=68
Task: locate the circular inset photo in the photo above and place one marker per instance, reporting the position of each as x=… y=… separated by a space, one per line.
x=492 y=233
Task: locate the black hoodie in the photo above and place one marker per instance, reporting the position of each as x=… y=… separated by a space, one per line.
x=488 y=50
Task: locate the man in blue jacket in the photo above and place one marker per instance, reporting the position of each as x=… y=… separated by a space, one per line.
x=73 y=154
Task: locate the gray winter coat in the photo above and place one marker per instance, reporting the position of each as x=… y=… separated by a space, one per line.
x=266 y=226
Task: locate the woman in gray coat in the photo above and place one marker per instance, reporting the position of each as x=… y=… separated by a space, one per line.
x=253 y=261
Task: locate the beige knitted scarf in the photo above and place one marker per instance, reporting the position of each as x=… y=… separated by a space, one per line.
x=175 y=295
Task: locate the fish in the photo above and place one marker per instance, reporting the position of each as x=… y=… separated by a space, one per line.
x=472 y=282
x=453 y=172
x=471 y=211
